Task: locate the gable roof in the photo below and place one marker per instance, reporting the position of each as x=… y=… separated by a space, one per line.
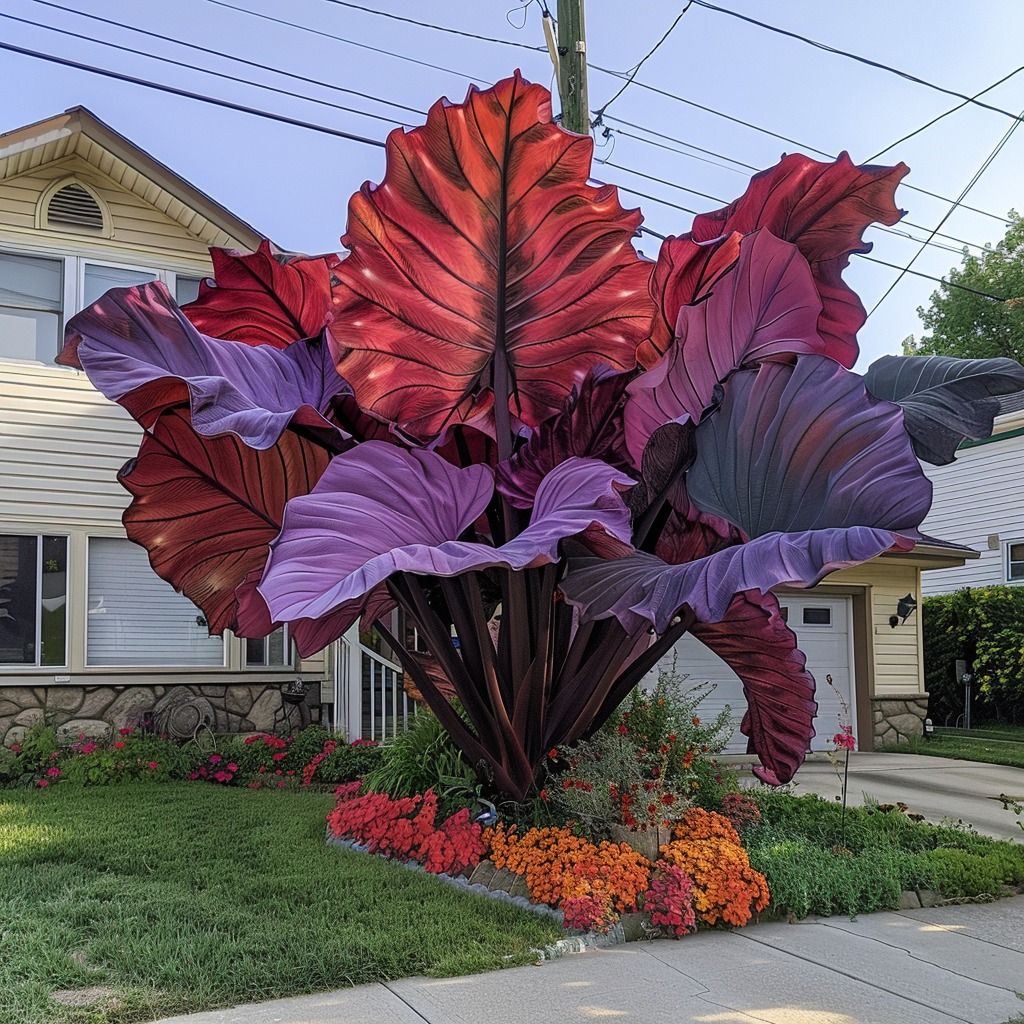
x=79 y=132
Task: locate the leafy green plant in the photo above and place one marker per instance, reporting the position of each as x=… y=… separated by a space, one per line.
x=421 y=758
x=348 y=762
x=985 y=627
x=10 y=766
x=38 y=747
x=956 y=873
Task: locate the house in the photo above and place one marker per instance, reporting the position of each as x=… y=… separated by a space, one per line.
x=976 y=502
x=853 y=629
x=90 y=638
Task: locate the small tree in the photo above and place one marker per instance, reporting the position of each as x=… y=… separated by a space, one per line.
x=969 y=325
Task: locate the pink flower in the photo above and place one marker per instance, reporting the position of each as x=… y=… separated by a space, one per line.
x=87 y=748
x=119 y=744
x=153 y=764
x=43 y=782
x=53 y=772
x=215 y=759
x=223 y=776
x=845 y=739
x=126 y=732
x=16 y=748
x=279 y=755
x=232 y=767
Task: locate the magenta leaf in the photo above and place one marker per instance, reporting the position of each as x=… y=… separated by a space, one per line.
x=265 y=297
x=805 y=447
x=944 y=400
x=140 y=351
x=765 y=307
x=823 y=209
x=641 y=589
x=379 y=510
x=762 y=650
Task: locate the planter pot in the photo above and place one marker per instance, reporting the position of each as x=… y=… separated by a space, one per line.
x=646 y=843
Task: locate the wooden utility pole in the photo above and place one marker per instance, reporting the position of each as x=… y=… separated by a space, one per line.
x=572 y=67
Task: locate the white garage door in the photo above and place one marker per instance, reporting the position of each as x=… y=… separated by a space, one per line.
x=822 y=626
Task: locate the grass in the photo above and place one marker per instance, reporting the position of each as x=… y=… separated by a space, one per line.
x=182 y=897
x=997 y=748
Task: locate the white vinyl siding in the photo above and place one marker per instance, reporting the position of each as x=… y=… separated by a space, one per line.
x=137 y=619
x=977 y=502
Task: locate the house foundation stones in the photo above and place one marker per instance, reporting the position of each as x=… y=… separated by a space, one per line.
x=898 y=719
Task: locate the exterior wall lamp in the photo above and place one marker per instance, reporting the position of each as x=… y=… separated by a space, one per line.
x=904 y=608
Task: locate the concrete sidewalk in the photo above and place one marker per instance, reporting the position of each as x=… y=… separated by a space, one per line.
x=939 y=966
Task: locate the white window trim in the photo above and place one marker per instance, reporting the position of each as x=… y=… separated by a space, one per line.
x=38 y=668
x=288 y=664
x=1007 y=578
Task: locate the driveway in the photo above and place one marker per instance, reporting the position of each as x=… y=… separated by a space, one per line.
x=937 y=787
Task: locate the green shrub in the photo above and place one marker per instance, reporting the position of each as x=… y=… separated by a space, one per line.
x=10 y=767
x=38 y=747
x=985 y=627
x=955 y=873
x=349 y=762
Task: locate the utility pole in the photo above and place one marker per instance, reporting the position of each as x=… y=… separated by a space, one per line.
x=572 y=67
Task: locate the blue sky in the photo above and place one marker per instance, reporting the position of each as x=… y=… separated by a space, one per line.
x=293 y=184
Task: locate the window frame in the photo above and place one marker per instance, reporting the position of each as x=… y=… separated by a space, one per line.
x=285 y=666
x=1009 y=561
x=73 y=292
x=37 y=667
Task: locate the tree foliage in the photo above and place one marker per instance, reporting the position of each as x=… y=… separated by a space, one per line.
x=985 y=627
x=972 y=326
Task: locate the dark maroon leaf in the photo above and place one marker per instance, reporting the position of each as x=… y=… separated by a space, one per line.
x=762 y=650
x=207 y=508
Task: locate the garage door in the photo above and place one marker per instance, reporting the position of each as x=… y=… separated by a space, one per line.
x=822 y=626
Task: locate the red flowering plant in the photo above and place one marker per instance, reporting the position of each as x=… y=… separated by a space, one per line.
x=643 y=768
x=669 y=900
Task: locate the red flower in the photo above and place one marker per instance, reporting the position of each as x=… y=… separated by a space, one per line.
x=43 y=782
x=280 y=754
x=16 y=748
x=544 y=795
x=119 y=744
x=623 y=730
x=126 y=732
x=153 y=764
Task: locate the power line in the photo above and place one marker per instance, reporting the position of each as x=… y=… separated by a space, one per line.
x=635 y=70
x=439 y=28
x=188 y=94
x=952 y=110
x=595 y=67
x=974 y=180
x=205 y=71
x=856 y=57
x=930 y=277
x=227 y=56
x=352 y=42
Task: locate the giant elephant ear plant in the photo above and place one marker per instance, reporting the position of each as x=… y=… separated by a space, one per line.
x=492 y=403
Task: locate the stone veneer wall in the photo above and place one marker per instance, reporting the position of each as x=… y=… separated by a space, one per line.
x=99 y=711
x=897 y=719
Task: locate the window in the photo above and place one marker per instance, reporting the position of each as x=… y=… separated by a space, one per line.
x=38 y=293
x=31 y=300
x=270 y=652
x=817 y=616
x=33 y=601
x=135 y=618
x=1014 y=562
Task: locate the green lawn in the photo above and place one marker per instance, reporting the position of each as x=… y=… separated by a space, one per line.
x=988 y=745
x=181 y=897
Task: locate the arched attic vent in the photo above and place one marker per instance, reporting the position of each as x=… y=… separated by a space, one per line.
x=73 y=206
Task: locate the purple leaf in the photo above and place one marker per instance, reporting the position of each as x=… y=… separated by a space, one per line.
x=762 y=650
x=141 y=351
x=379 y=510
x=805 y=447
x=944 y=400
x=642 y=589
x=766 y=306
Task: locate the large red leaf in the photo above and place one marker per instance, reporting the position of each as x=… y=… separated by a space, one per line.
x=823 y=209
x=485 y=261
x=265 y=298
x=207 y=508
x=762 y=650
